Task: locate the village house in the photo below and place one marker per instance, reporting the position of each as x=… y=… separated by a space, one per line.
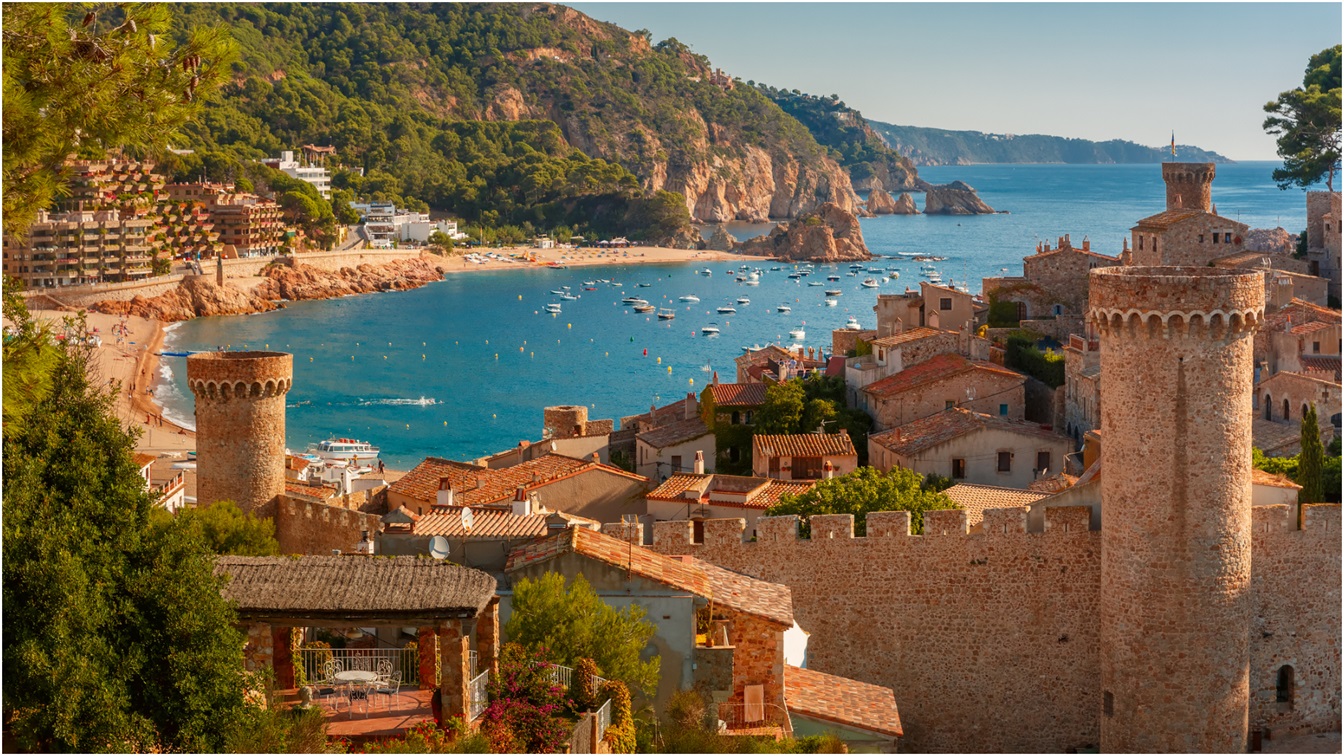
x=581 y=487
x=566 y=430
x=1323 y=238
x=1189 y=231
x=972 y=447
x=1053 y=284
x=975 y=498
x=942 y=382
x=1298 y=336
x=1082 y=385
x=773 y=364
x=699 y=496
x=892 y=354
x=1285 y=396
x=719 y=631
x=731 y=410
x=933 y=306
x=803 y=456
x=164 y=481
x=1285 y=277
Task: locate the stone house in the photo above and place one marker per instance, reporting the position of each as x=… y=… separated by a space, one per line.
x=566 y=430
x=1082 y=385
x=975 y=499
x=948 y=380
x=971 y=447
x=1323 y=237
x=933 y=306
x=1284 y=398
x=1053 y=281
x=730 y=411
x=773 y=364
x=480 y=539
x=586 y=488
x=1189 y=231
x=718 y=631
x=892 y=354
x=803 y=456
x=698 y=497
x=1299 y=336
x=666 y=451
x=1279 y=281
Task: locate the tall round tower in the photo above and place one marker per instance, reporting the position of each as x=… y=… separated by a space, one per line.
x=240 y=425
x=1176 y=505
x=1189 y=185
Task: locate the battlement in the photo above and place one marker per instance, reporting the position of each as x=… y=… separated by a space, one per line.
x=1199 y=302
x=1189 y=185
x=229 y=375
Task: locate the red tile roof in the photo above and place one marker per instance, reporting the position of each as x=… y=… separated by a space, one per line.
x=476 y=486
x=842 y=701
x=1322 y=363
x=736 y=591
x=141 y=460
x=975 y=499
x=1297 y=312
x=422 y=483
x=768 y=491
x=1076 y=251
x=1167 y=218
x=914 y=334
x=1261 y=478
x=935 y=369
x=835 y=365
x=1310 y=327
x=738 y=394
x=322 y=493
x=675 y=433
x=803 y=445
x=492 y=524
x=941 y=427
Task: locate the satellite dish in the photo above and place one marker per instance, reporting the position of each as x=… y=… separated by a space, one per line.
x=466 y=518
x=438 y=547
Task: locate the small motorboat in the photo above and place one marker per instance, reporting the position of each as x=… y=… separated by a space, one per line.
x=870 y=283
x=851 y=274
x=557 y=292
x=638 y=303
x=833 y=292
x=707 y=272
x=569 y=297
x=666 y=314
x=689 y=298
x=646 y=307
x=784 y=308
x=710 y=330
x=743 y=300
x=853 y=324
x=815 y=283
x=553 y=308
x=642 y=285
x=774 y=267
x=754 y=276
x=752 y=282
x=798 y=334
x=831 y=303
x=590 y=288
x=893 y=275
x=727 y=310
x=832 y=278
x=795 y=275
x=589 y=283
x=750 y=349
x=631 y=300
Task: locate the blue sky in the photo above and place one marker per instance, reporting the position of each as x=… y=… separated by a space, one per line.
x=1089 y=70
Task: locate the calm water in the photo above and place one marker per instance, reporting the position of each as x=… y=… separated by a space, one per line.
x=462 y=368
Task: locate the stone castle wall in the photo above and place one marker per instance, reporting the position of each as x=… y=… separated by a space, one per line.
x=308 y=528
x=1189 y=185
x=1190 y=242
x=991 y=641
x=1319 y=205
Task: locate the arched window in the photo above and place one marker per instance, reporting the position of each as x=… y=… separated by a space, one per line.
x=737 y=417
x=1269 y=408
x=1284 y=688
x=1286 y=414
x=1304 y=409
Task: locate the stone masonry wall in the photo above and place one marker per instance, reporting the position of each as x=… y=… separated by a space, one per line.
x=308 y=528
x=991 y=390
x=991 y=641
x=758 y=656
x=1190 y=242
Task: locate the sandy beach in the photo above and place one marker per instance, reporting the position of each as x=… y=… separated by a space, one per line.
x=587 y=257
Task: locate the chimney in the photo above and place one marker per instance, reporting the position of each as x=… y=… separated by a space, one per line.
x=522 y=505
x=1087 y=245
x=828 y=470
x=699 y=462
x=445 y=497
x=715 y=379
x=365 y=544
x=691 y=405
x=597 y=459
x=1281 y=291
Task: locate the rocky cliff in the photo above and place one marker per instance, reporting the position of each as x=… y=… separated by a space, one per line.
x=956 y=198
x=1275 y=241
x=721 y=240
x=831 y=234
x=881 y=203
x=201 y=297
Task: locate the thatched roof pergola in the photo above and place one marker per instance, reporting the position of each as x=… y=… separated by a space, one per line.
x=349 y=589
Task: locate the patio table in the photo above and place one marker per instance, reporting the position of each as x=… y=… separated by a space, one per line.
x=355 y=675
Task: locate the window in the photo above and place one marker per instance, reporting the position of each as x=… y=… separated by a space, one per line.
x=748 y=417
x=676 y=463
x=945 y=303
x=1201 y=238
x=949 y=404
x=1005 y=462
x=1140 y=242
x=806 y=468
x=1269 y=408
x=1286 y=415
x=1021 y=310
x=697 y=531
x=737 y=417
x=1284 y=687
x=1003 y=410
x=1315 y=347
x=958 y=468
x=774 y=467
x=733 y=454
x=1215 y=237
x=1108 y=704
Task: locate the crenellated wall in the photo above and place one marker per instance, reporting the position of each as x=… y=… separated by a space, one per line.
x=307 y=528
x=991 y=641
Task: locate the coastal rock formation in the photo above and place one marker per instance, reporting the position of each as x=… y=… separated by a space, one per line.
x=721 y=240
x=956 y=198
x=194 y=297
x=905 y=205
x=880 y=203
x=306 y=282
x=1274 y=241
x=831 y=234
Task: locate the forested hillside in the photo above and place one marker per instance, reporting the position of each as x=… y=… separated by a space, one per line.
x=926 y=146
x=849 y=138
x=510 y=113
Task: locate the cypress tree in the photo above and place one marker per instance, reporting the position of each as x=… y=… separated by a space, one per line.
x=1312 y=460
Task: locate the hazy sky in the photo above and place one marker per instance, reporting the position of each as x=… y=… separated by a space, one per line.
x=1095 y=71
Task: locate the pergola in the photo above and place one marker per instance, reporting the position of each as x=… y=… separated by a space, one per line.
x=274 y=594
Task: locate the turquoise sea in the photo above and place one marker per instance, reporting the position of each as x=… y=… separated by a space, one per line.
x=462 y=368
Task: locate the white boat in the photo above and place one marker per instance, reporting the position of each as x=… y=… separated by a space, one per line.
x=815 y=283
x=552 y=308
x=832 y=278
x=589 y=283
x=753 y=276
x=638 y=303
x=569 y=297
x=752 y=282
x=727 y=310
x=893 y=275
x=870 y=283
x=690 y=298
x=631 y=300
x=642 y=285
x=743 y=300
x=557 y=292
x=707 y=272
x=344 y=449
x=646 y=307
x=784 y=308
x=710 y=330
x=853 y=324
x=833 y=292
x=666 y=314
x=831 y=303
x=798 y=333
x=774 y=267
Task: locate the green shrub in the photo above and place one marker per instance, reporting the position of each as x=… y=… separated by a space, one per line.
x=1021 y=354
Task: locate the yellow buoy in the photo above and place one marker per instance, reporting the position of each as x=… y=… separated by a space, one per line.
x=569 y=325
x=487 y=341
x=493 y=416
x=445 y=423
x=669 y=370
x=384 y=356
x=422 y=356
x=408 y=426
x=660 y=360
x=422 y=343
x=606 y=354
x=520 y=297
x=352 y=358
x=691 y=381
x=496 y=355
x=268 y=346
x=524 y=342
x=310 y=359
x=531 y=354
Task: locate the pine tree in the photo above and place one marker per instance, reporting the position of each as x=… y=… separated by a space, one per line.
x=1311 y=462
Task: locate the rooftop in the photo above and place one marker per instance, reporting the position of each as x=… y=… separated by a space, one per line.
x=840 y=700
x=476 y=486
x=975 y=499
x=353 y=587
x=914 y=334
x=1261 y=478
x=738 y=394
x=804 y=445
x=934 y=369
x=941 y=427
x=141 y=460
x=675 y=433
x=1167 y=218
x=726 y=490
x=494 y=524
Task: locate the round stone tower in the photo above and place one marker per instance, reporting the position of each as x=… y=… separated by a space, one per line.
x=1189 y=185
x=566 y=420
x=1176 y=382
x=240 y=425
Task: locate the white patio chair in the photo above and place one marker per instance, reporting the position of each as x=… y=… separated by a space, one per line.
x=327 y=687
x=384 y=670
x=391 y=688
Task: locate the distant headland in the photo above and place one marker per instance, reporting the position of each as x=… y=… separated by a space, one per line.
x=926 y=146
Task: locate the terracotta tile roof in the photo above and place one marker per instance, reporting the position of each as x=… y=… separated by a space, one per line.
x=840 y=700
x=321 y=493
x=1310 y=327
x=738 y=394
x=939 y=428
x=293 y=462
x=1270 y=436
x=144 y=459
x=1053 y=484
x=934 y=369
x=1076 y=251
x=757 y=597
x=476 y=486
x=1322 y=363
x=914 y=334
x=1261 y=478
x=674 y=433
x=486 y=524
x=975 y=499
x=767 y=491
x=1167 y=218
x=1240 y=259
x=769 y=351
x=835 y=365
x=803 y=445
x=1299 y=311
